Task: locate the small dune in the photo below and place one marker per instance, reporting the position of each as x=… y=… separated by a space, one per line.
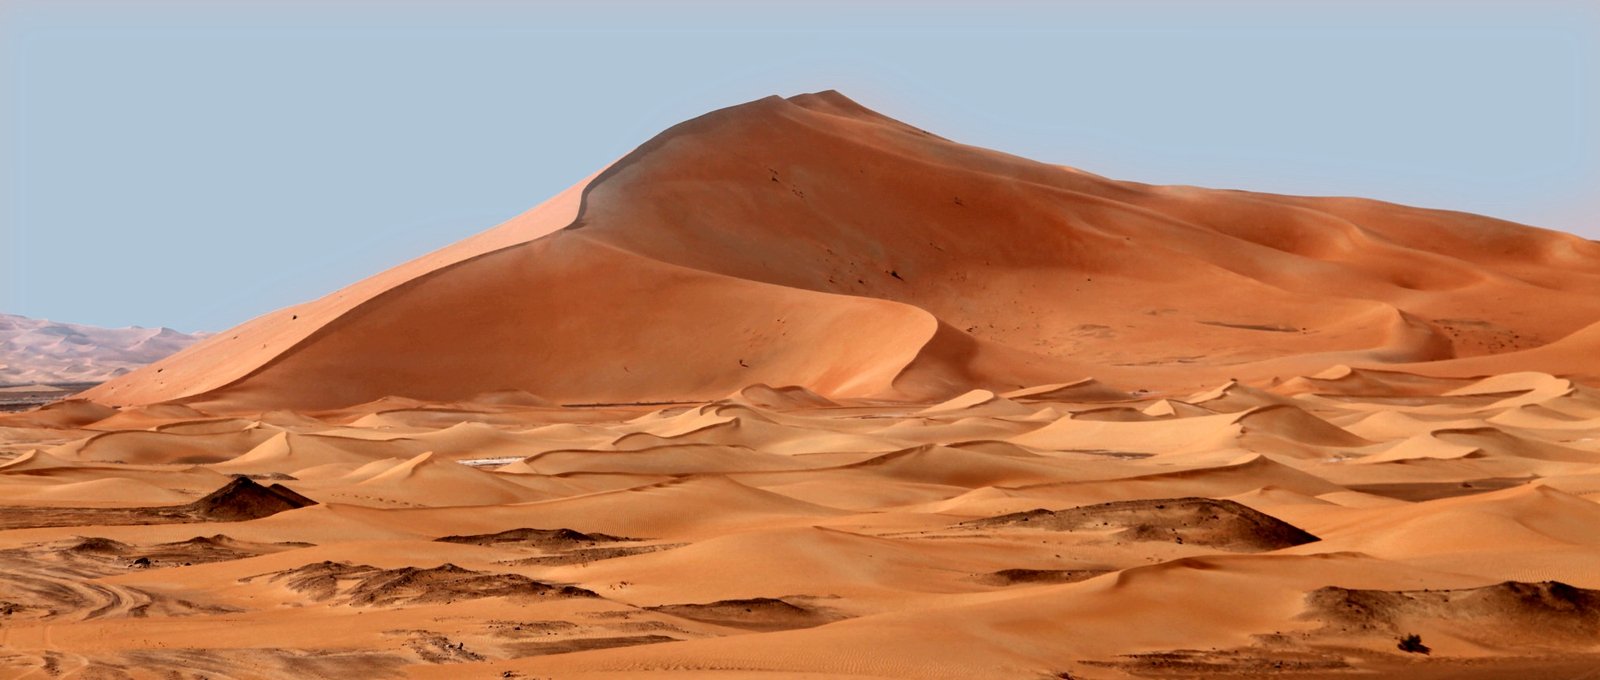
x=239 y=500
x=363 y=585
x=1546 y=614
x=760 y=613
x=244 y=499
x=556 y=539
x=1015 y=577
x=1208 y=522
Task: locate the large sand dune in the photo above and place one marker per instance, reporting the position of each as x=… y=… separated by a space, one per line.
x=811 y=242
x=798 y=391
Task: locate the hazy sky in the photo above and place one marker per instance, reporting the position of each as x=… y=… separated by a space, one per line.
x=193 y=164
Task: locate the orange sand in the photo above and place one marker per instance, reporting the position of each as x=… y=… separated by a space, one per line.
x=798 y=391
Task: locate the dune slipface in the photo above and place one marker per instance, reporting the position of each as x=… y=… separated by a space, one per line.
x=798 y=391
x=811 y=242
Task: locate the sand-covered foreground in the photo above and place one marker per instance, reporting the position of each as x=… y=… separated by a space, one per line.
x=1298 y=528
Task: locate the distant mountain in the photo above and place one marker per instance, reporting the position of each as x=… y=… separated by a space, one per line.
x=40 y=351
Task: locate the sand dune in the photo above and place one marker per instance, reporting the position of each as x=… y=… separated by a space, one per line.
x=427 y=480
x=1307 y=523
x=795 y=390
x=288 y=452
x=931 y=311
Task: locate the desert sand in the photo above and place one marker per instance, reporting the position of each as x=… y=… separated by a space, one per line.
x=795 y=390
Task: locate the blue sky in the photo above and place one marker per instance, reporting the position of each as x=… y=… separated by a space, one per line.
x=194 y=164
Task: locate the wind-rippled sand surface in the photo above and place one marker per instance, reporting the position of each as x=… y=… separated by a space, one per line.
x=1301 y=527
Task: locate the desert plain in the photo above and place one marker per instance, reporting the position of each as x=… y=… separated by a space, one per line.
x=796 y=390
